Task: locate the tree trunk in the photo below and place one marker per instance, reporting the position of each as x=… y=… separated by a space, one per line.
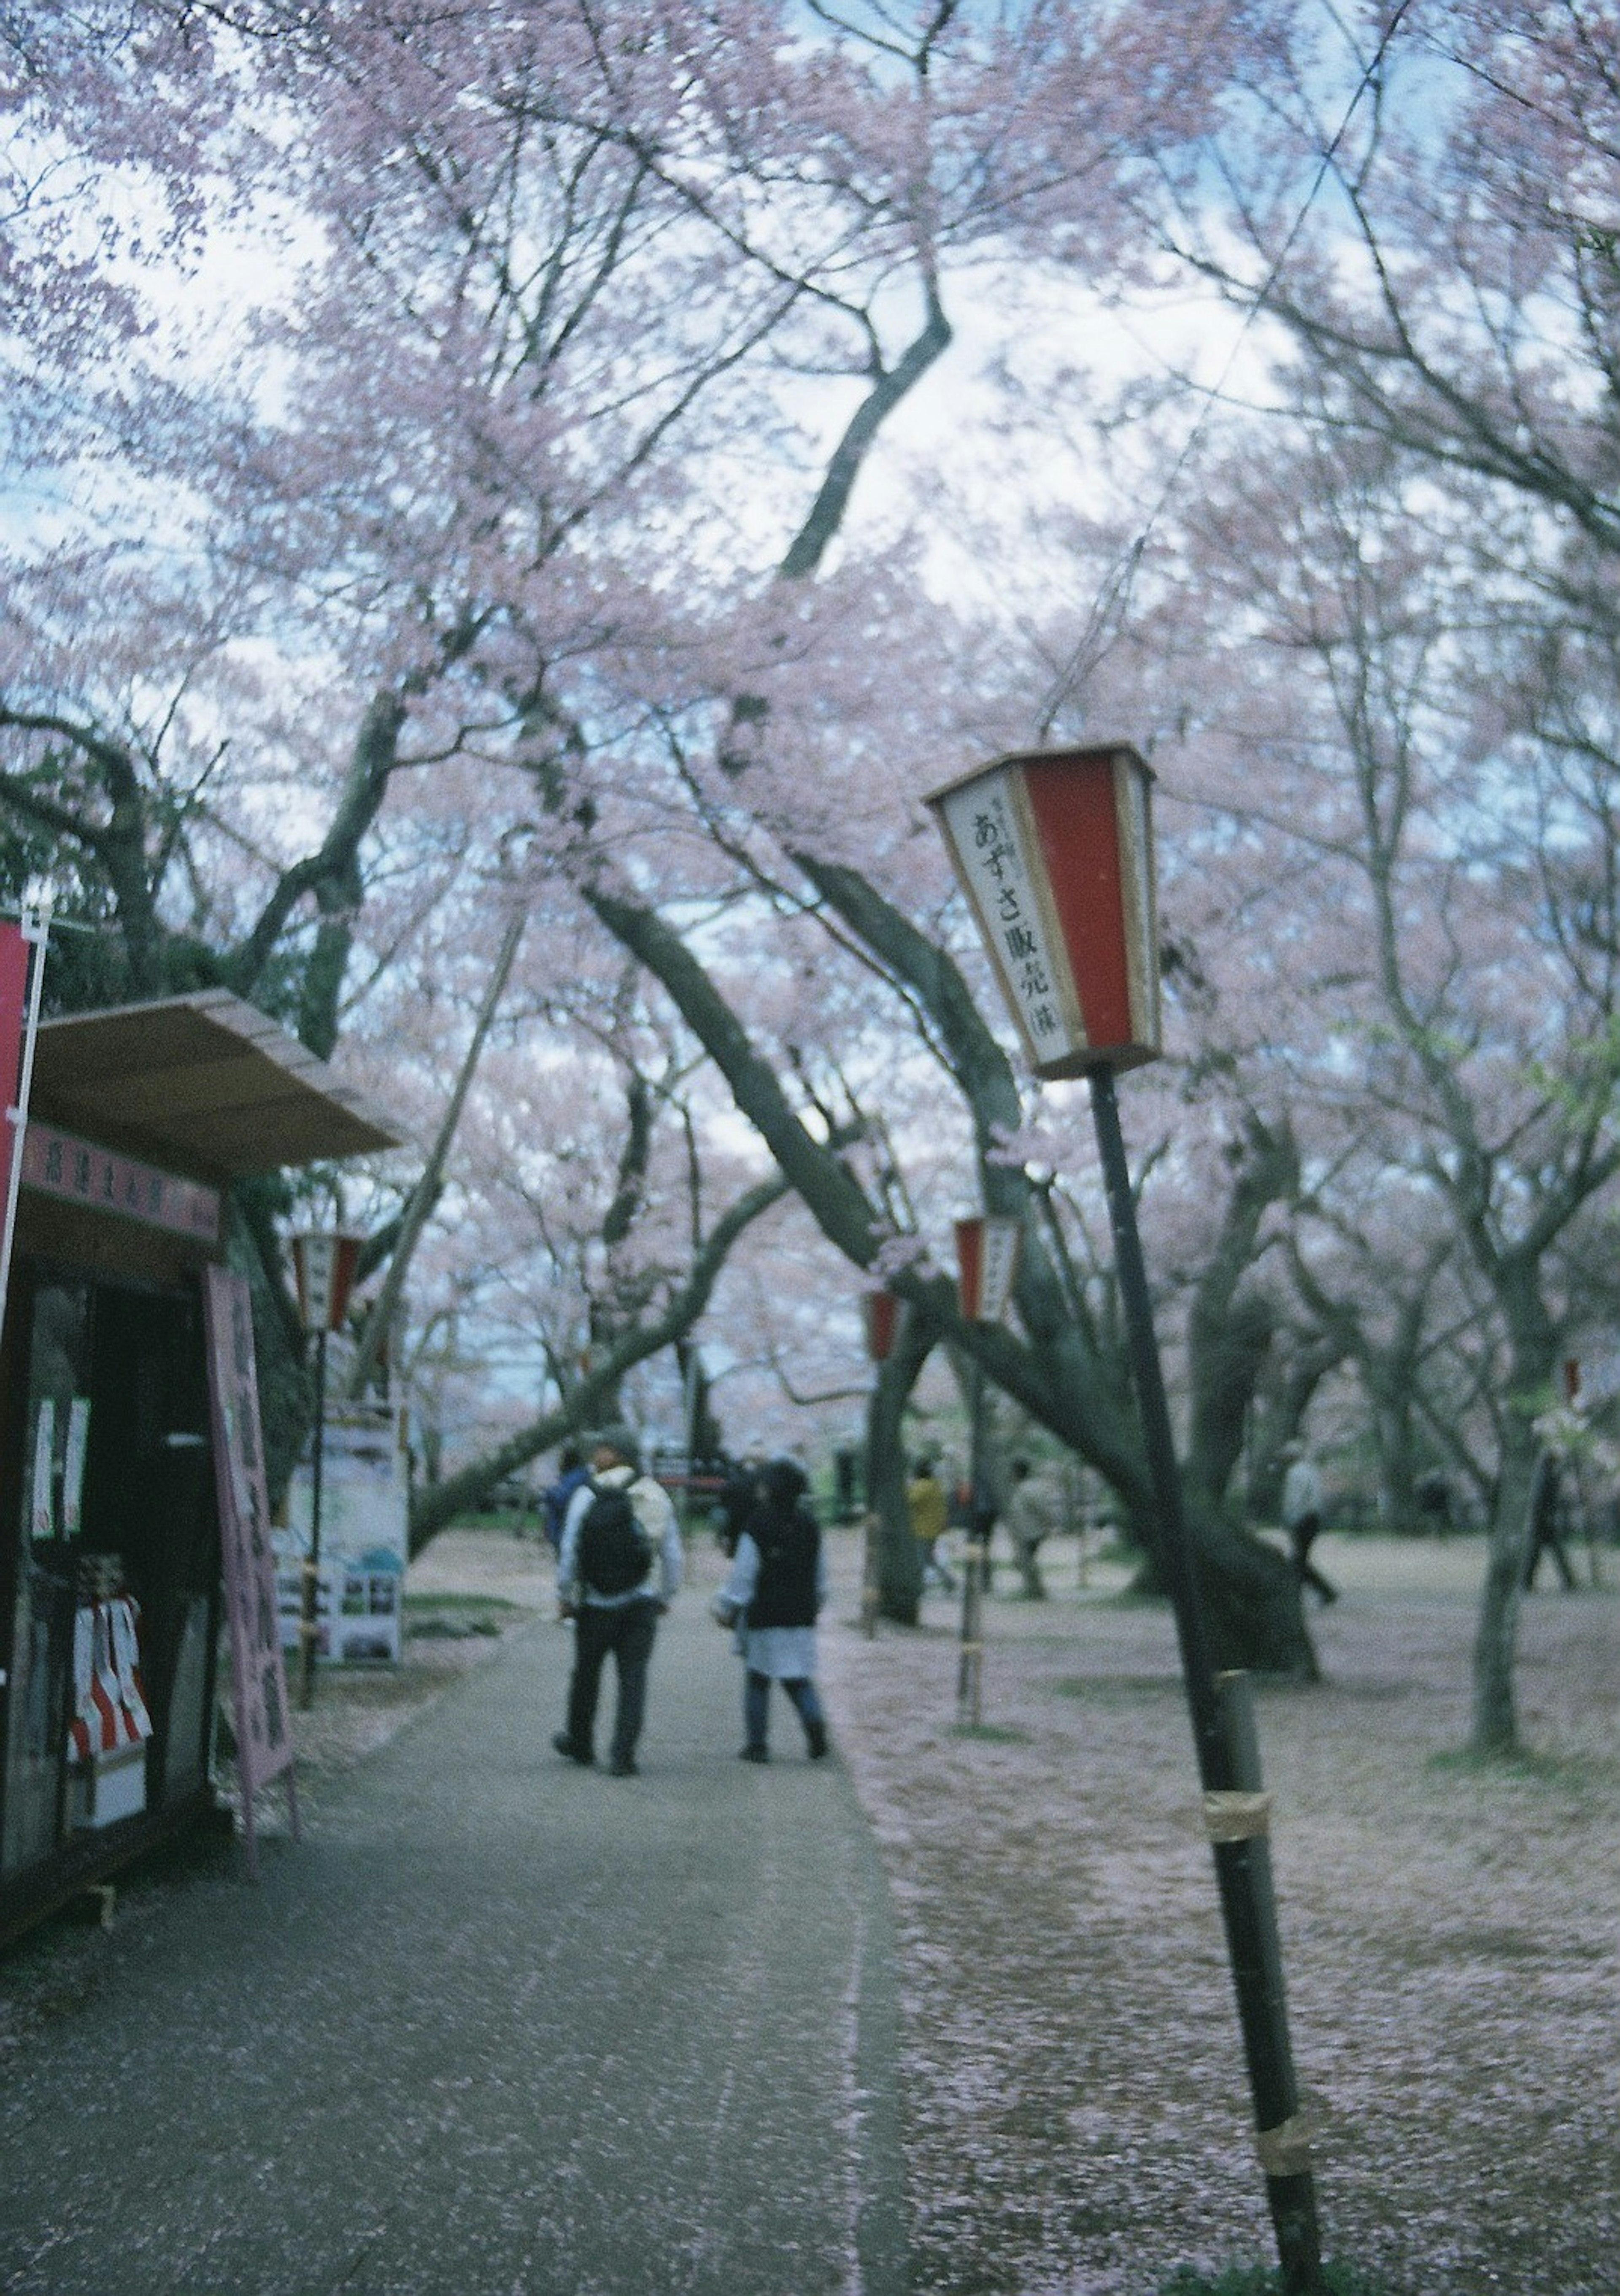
x=899 y=1563
x=1226 y=1359
x=1495 y=1719
x=1251 y=1600
x=1392 y=1418
x=1230 y=1322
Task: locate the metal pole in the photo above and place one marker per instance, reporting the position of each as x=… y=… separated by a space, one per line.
x=309 y=1624
x=1235 y=1813
x=970 y=1667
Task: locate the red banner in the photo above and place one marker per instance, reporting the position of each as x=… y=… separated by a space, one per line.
x=13 y=1013
x=883 y=1324
x=986 y=1265
x=324 y=1267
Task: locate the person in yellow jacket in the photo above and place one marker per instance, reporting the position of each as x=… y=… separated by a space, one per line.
x=925 y=1499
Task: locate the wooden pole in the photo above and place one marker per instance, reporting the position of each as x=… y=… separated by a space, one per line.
x=1235 y=1811
x=971 y=1664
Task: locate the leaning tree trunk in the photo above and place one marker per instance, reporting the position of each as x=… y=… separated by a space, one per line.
x=1055 y=1373
x=1251 y=1599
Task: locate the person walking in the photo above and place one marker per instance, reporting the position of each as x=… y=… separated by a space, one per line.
x=1547 y=1513
x=929 y=1510
x=617 y=1573
x=1027 y=1520
x=1302 y=1519
x=777 y=1585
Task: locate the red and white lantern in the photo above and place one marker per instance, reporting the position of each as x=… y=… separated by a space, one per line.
x=986 y=1267
x=1054 y=851
x=883 y=1324
x=324 y=1268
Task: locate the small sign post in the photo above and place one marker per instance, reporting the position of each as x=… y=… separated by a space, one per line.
x=1054 y=851
x=986 y=1267
x=324 y=1268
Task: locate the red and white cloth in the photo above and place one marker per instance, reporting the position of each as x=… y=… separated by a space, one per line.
x=110 y=1710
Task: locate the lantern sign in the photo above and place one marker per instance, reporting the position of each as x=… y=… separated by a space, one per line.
x=324 y=1269
x=1054 y=851
x=988 y=1265
x=883 y=1324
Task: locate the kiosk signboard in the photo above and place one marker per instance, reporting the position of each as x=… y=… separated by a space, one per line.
x=264 y=1734
x=13 y=1004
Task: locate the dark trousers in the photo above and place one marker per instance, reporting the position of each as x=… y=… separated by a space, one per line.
x=757 y=1706
x=1303 y=1535
x=628 y=1630
x=1546 y=1541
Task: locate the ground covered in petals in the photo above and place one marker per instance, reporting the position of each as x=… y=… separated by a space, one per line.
x=1078 y=2116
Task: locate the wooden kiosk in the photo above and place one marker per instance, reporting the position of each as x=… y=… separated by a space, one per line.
x=140 y=1117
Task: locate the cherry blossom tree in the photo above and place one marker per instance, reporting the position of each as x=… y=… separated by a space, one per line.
x=1461 y=849
x=572 y=288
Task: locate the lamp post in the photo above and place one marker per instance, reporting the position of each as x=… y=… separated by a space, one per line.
x=986 y=1267
x=881 y=1313
x=324 y=1268
x=1054 y=851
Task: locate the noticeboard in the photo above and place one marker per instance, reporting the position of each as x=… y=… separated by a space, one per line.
x=264 y=1734
x=366 y=1510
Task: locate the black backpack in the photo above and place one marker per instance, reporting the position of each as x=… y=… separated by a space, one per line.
x=614 y=1553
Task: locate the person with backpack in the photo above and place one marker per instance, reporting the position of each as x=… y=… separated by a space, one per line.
x=617 y=1573
x=777 y=1585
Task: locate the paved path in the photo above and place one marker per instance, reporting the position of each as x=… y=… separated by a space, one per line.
x=498 y=2027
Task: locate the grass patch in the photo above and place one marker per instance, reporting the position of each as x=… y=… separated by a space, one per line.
x=1524 y=1766
x=459 y=1603
x=989 y=1734
x=1261 y=2280
x=1111 y=1689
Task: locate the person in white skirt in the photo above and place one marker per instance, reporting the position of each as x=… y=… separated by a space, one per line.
x=777 y=1585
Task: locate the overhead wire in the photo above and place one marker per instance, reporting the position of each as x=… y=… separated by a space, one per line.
x=1113 y=599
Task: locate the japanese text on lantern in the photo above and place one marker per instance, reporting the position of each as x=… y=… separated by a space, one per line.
x=985 y=836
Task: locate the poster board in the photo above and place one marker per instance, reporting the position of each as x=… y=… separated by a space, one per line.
x=263 y=1719
x=366 y=1504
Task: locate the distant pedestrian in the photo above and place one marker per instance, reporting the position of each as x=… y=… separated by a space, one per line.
x=1027 y=1520
x=929 y=1510
x=1434 y=1497
x=1546 y=1524
x=1302 y=1519
x=777 y=1587
x=555 y=1499
x=617 y=1574
x=738 y=1498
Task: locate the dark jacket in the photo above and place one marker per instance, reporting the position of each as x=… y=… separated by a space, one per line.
x=789 y=1541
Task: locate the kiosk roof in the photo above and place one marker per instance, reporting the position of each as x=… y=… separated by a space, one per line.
x=204 y=1084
